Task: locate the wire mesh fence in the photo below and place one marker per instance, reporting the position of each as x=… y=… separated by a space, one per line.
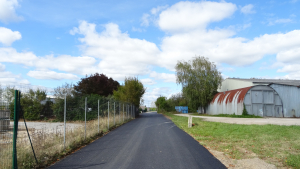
x=6 y=130
x=72 y=121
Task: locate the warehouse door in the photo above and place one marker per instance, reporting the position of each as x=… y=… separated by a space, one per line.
x=257 y=100
x=257 y=109
x=268 y=103
x=268 y=110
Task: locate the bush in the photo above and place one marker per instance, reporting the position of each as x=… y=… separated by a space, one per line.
x=245 y=113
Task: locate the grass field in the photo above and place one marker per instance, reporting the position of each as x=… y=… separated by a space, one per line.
x=279 y=145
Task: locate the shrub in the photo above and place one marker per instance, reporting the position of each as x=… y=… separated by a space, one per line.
x=245 y=113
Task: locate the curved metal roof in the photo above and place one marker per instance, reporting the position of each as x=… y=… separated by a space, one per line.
x=228 y=96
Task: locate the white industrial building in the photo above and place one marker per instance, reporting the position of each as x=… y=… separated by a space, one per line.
x=262 y=97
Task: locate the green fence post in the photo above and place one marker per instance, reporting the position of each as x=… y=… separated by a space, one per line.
x=15 y=132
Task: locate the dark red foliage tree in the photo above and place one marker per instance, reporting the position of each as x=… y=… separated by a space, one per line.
x=96 y=84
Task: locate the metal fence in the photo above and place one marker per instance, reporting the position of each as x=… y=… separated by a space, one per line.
x=6 y=132
x=76 y=120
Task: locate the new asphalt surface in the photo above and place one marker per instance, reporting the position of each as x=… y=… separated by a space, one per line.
x=150 y=141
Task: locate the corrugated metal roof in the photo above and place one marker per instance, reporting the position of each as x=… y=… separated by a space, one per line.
x=272 y=81
x=228 y=96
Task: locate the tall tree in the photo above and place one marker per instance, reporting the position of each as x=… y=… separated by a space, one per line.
x=200 y=80
x=96 y=84
x=64 y=90
x=132 y=91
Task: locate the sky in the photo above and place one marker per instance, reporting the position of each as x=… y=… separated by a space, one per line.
x=49 y=43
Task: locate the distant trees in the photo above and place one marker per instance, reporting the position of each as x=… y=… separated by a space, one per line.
x=31 y=104
x=200 y=80
x=164 y=104
x=96 y=84
x=132 y=91
x=64 y=90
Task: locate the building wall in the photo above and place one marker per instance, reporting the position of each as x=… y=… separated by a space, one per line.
x=290 y=96
x=232 y=84
x=228 y=102
x=259 y=100
x=262 y=101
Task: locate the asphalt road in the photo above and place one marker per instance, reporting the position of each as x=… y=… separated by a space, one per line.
x=150 y=141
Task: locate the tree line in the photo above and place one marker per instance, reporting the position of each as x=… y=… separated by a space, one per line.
x=36 y=106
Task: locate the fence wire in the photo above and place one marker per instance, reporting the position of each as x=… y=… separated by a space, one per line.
x=56 y=125
x=6 y=129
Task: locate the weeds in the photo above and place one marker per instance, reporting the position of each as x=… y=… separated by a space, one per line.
x=49 y=143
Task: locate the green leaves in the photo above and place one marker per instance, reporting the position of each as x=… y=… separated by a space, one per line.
x=132 y=91
x=199 y=79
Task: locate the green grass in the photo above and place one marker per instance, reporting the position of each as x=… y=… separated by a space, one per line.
x=228 y=115
x=276 y=144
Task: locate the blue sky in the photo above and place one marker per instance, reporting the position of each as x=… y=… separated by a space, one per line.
x=48 y=43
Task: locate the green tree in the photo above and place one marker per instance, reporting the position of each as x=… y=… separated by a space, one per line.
x=31 y=104
x=162 y=104
x=200 y=80
x=132 y=91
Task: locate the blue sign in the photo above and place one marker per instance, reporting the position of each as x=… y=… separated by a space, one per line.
x=182 y=109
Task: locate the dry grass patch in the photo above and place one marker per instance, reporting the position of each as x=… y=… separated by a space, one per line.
x=48 y=143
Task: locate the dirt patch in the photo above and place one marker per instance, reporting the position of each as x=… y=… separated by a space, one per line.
x=254 y=163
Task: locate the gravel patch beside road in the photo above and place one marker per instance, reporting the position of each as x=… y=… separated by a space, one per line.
x=258 y=121
x=57 y=126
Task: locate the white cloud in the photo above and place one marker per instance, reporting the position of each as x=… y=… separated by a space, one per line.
x=79 y=65
x=134 y=29
x=7 y=36
x=227 y=69
x=290 y=68
x=67 y=63
x=294 y=75
x=279 y=21
x=155 y=11
x=283 y=20
x=188 y=37
x=247 y=9
x=148 y=81
x=8 y=78
x=164 y=76
x=220 y=46
x=120 y=55
x=145 y=20
x=7 y=11
x=288 y=61
x=10 y=55
x=51 y=75
x=188 y=16
x=2 y=67
x=289 y=56
x=152 y=95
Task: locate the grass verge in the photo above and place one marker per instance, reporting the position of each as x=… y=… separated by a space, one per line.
x=279 y=145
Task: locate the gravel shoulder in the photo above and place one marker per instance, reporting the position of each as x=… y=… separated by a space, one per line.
x=258 y=121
